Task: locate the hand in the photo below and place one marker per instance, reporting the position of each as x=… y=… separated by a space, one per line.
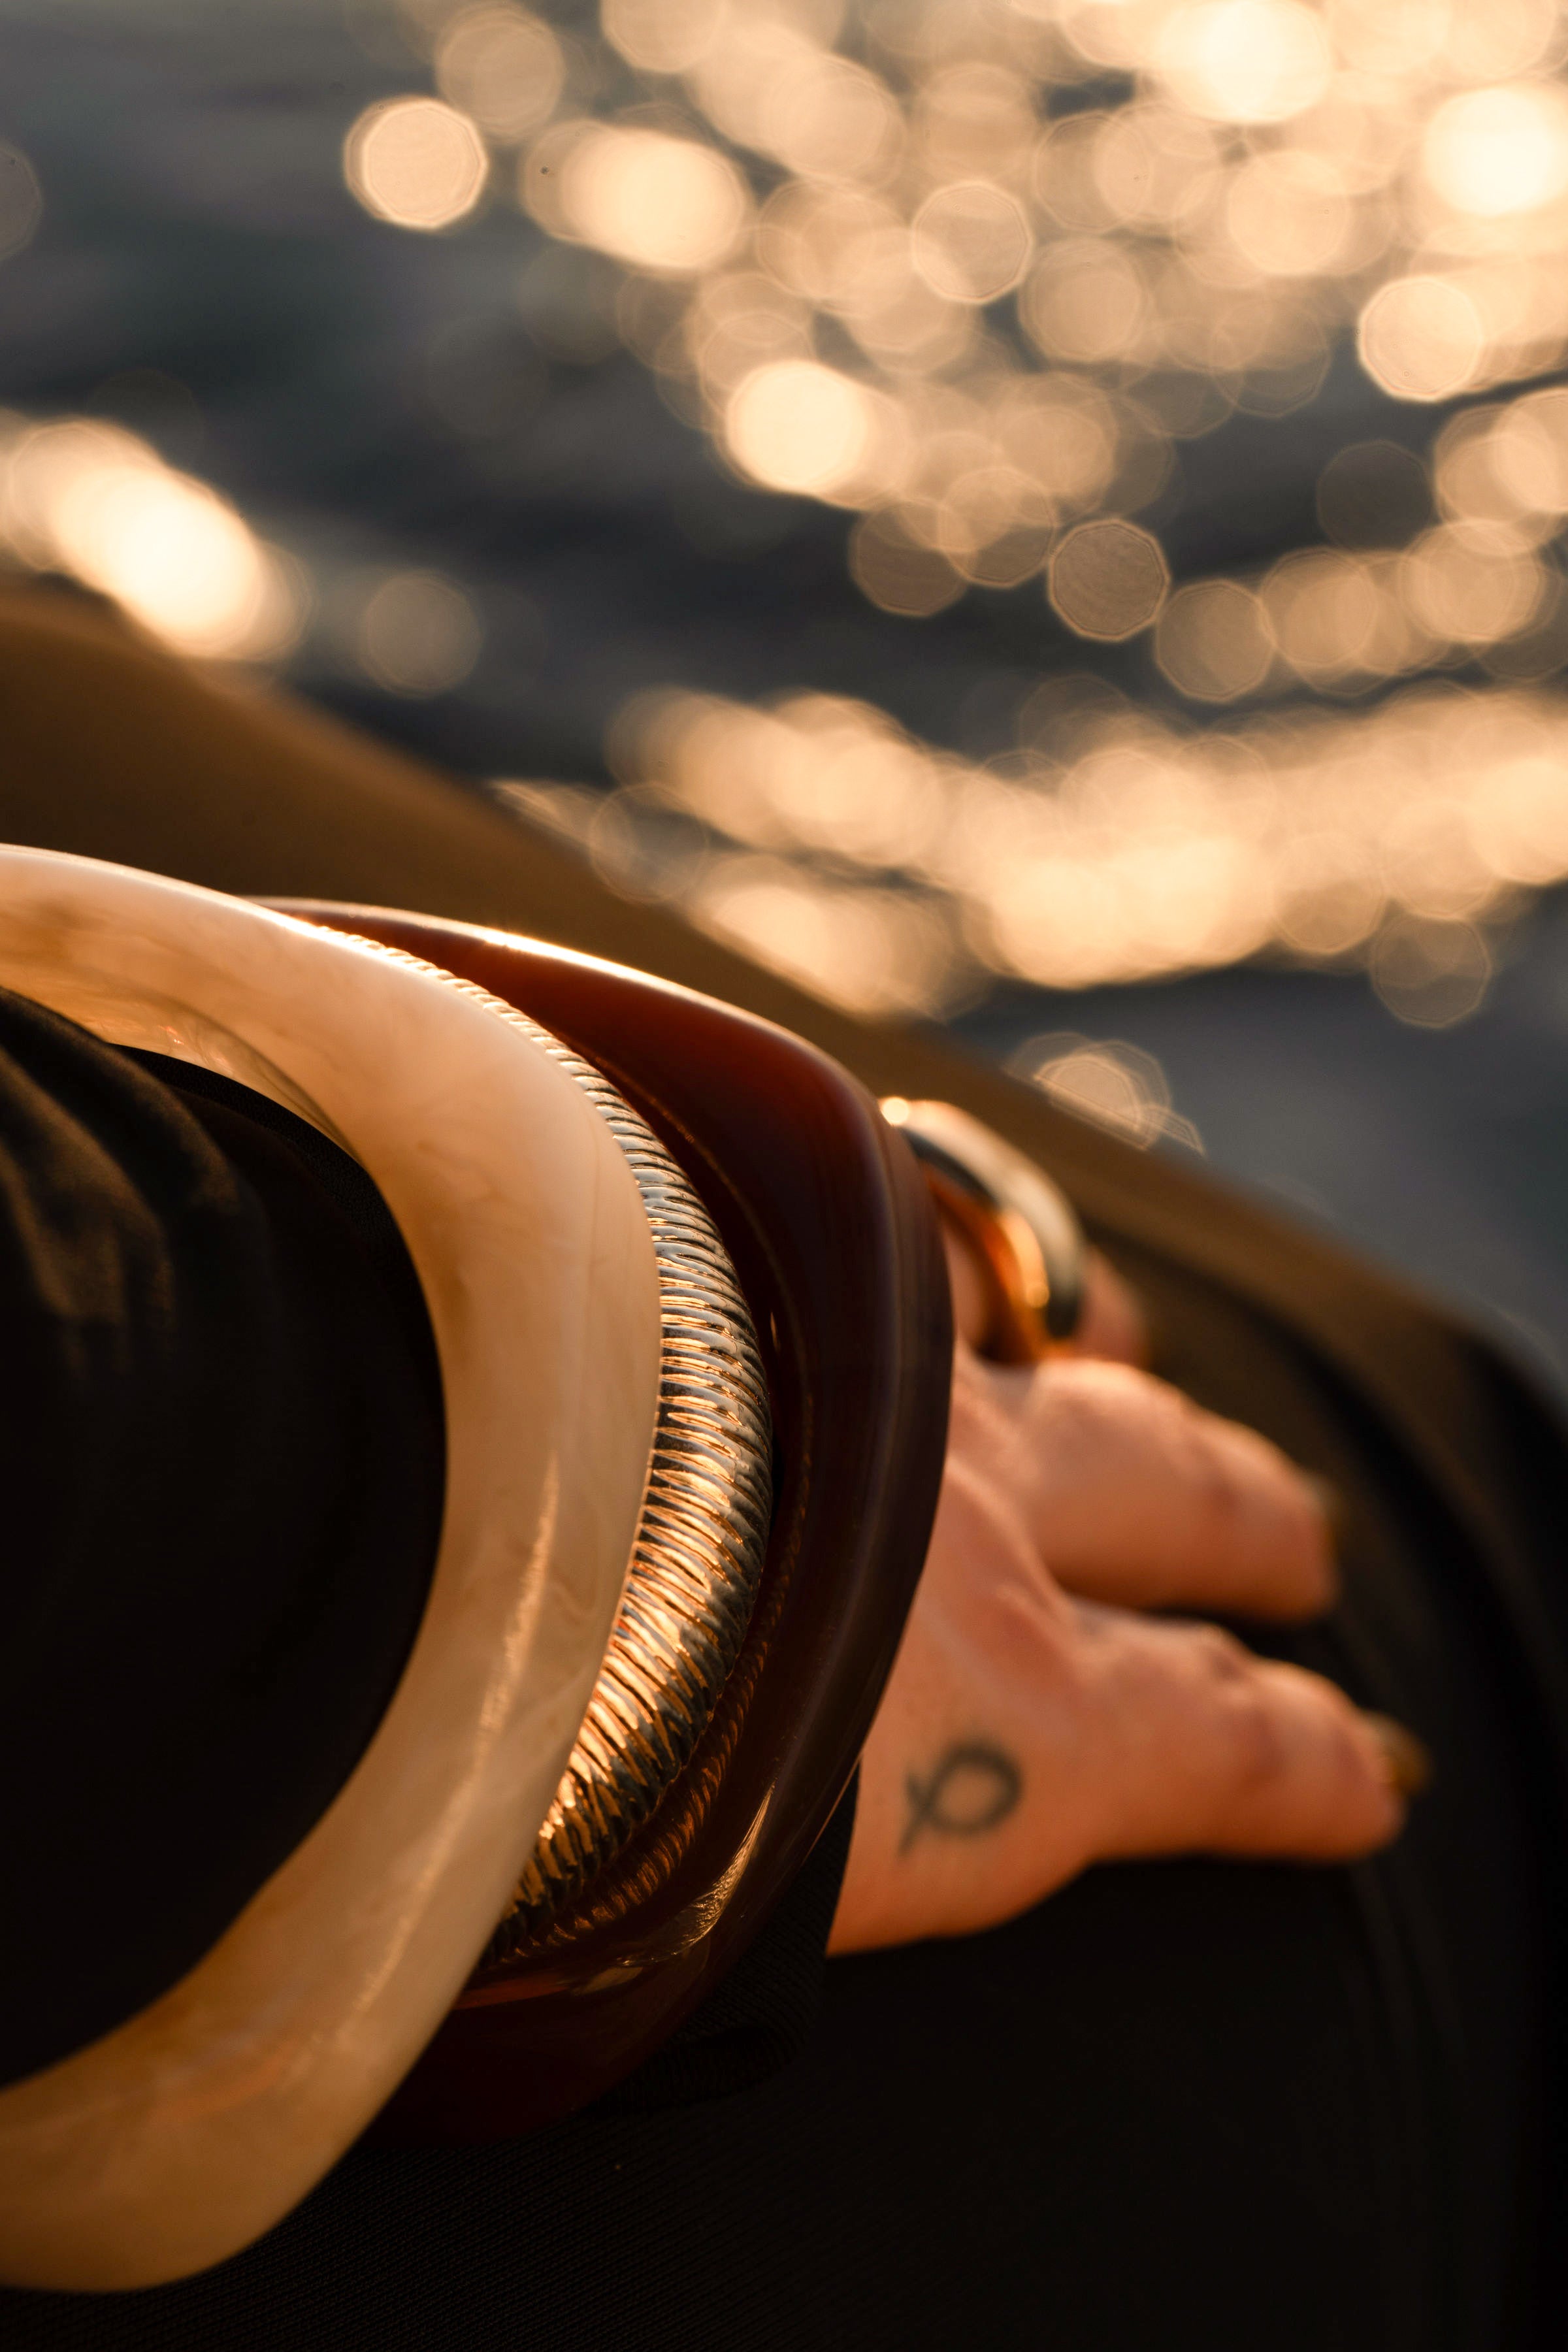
x=1034 y=1724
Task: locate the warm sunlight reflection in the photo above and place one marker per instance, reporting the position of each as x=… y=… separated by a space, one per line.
x=95 y=500
x=1111 y=846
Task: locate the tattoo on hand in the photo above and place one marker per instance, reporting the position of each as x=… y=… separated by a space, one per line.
x=972 y=1789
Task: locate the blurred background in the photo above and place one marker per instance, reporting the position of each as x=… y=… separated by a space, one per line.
x=1042 y=516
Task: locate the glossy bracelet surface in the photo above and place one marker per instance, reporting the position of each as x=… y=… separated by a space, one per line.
x=696 y=1560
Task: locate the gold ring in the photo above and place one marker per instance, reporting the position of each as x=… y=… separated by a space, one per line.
x=1021 y=1224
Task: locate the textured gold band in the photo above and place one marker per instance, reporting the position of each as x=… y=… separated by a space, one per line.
x=697 y=1558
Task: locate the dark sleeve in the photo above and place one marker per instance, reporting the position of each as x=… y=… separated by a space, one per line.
x=223 y=1452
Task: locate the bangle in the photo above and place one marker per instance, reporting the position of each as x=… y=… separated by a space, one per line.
x=1022 y=1225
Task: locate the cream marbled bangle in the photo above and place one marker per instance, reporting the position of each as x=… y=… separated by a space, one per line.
x=188 y=2130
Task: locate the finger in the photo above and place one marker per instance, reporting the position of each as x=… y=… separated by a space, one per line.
x=1198 y=1746
x=1136 y=1495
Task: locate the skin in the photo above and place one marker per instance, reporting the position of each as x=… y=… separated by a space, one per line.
x=1036 y=1720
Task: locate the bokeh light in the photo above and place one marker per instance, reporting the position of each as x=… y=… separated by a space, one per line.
x=416 y=163
x=501 y=67
x=1214 y=642
x=887 y=875
x=1245 y=60
x=796 y=425
x=1422 y=338
x=986 y=275
x=985 y=261
x=21 y=200
x=1431 y=974
x=94 y=500
x=659 y=204
x=1116 y=1085
x=663 y=37
x=1289 y=214
x=1494 y=152
x=897 y=572
x=416 y=633
x=1107 y=579
x=972 y=242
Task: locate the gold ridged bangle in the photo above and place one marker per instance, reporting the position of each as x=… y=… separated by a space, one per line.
x=696 y=1558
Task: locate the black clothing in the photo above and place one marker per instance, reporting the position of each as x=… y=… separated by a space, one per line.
x=222 y=1444
x=1242 y=2108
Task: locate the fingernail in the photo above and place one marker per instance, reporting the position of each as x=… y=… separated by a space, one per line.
x=1331 y=1501
x=1407 y=1761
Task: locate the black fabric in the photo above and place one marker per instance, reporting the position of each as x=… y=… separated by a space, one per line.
x=222 y=1450
x=352 y=1192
